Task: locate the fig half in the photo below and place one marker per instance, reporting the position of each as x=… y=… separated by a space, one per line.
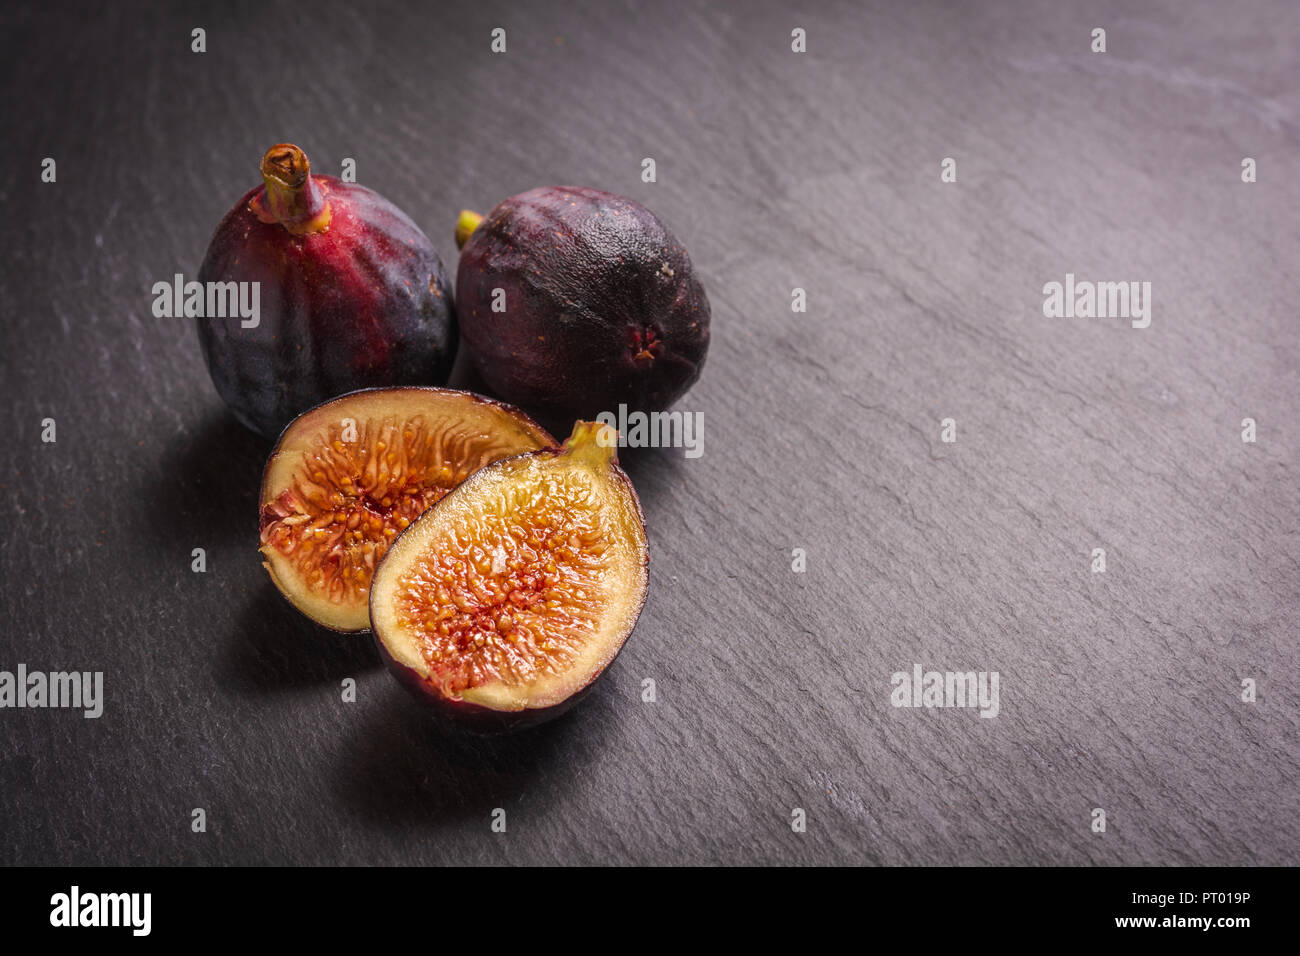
x=506 y=601
x=348 y=476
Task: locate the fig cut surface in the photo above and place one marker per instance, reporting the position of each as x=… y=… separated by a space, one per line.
x=348 y=476
x=503 y=604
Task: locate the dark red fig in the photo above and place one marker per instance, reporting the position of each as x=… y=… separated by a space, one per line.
x=598 y=305
x=504 y=602
x=349 y=475
x=352 y=295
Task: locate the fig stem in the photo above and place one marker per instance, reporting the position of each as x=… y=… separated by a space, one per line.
x=292 y=196
x=465 y=226
x=595 y=444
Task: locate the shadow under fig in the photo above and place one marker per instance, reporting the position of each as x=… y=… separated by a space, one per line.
x=204 y=493
x=204 y=490
x=274 y=647
x=403 y=766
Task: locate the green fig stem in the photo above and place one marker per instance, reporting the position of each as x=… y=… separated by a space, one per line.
x=465 y=226
x=595 y=444
x=292 y=196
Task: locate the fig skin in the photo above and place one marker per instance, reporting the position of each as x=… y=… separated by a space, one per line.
x=339 y=408
x=352 y=295
x=476 y=718
x=602 y=305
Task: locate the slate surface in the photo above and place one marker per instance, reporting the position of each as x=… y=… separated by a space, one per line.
x=1119 y=690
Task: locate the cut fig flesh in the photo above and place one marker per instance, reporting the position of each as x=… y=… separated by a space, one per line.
x=517 y=590
x=348 y=476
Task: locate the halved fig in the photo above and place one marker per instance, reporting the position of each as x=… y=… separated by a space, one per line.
x=505 y=601
x=348 y=476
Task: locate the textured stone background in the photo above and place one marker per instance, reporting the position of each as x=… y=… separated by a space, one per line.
x=1119 y=690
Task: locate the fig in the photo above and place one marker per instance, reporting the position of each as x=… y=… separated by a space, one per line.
x=504 y=602
x=574 y=301
x=348 y=476
x=351 y=295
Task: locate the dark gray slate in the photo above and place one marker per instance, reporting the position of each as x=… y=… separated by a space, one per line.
x=778 y=170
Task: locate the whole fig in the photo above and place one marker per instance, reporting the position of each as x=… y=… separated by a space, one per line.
x=351 y=295
x=574 y=301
